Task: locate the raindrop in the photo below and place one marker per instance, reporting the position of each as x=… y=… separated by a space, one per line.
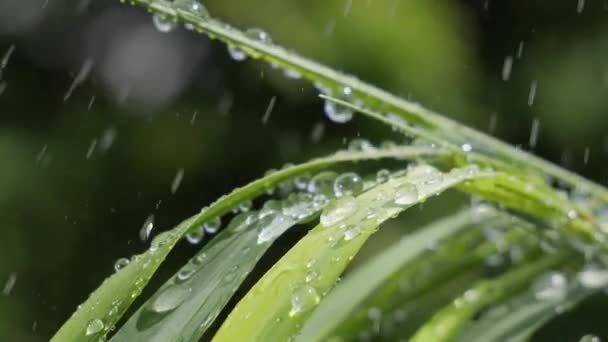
x=161 y=25
x=146 y=229
x=10 y=284
x=335 y=112
x=299 y=206
x=383 y=176
x=551 y=286
x=236 y=53
x=169 y=299
x=292 y=74
x=339 y=210
x=259 y=35
x=82 y=75
x=95 y=326
x=195 y=236
x=211 y=227
x=350 y=233
x=323 y=184
x=272 y=226
x=593 y=277
x=348 y=184
x=184 y=274
x=580 y=6
x=177 y=181
x=532 y=93
x=407 y=194
x=269 y=110
x=534 y=132
x=520 y=50
x=193 y=7
x=242 y=222
x=91 y=149
x=358 y=145
x=303 y=299
x=507 y=68
x=590 y=338
x=466 y=148
x=317 y=132
x=121 y=263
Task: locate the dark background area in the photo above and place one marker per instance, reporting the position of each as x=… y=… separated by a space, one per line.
x=99 y=111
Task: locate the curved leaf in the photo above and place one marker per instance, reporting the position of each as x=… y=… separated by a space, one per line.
x=279 y=303
x=104 y=307
x=379 y=100
x=450 y=321
x=520 y=318
x=378 y=285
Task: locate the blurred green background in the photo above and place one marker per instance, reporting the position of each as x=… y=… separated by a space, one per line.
x=99 y=112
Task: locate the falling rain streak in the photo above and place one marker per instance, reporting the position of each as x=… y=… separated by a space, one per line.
x=534 y=133
x=177 y=181
x=532 y=94
x=507 y=68
x=269 y=110
x=10 y=284
x=82 y=75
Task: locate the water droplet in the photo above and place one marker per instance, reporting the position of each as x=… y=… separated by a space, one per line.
x=95 y=326
x=195 y=236
x=312 y=275
x=161 y=25
x=351 y=232
x=348 y=184
x=236 y=53
x=383 y=176
x=259 y=35
x=358 y=145
x=193 y=7
x=339 y=210
x=303 y=299
x=593 y=277
x=242 y=222
x=323 y=183
x=120 y=264
x=552 y=286
x=590 y=338
x=299 y=206
x=146 y=229
x=212 y=226
x=185 y=273
x=466 y=148
x=169 y=299
x=407 y=194
x=335 y=112
x=272 y=226
x=177 y=181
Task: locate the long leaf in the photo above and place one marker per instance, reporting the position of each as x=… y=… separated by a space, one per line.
x=450 y=321
x=210 y=279
x=378 y=285
x=374 y=97
x=277 y=306
x=106 y=305
x=520 y=318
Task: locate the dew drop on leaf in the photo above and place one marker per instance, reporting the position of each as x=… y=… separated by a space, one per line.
x=348 y=184
x=339 y=210
x=303 y=299
x=161 y=25
x=95 y=326
x=406 y=194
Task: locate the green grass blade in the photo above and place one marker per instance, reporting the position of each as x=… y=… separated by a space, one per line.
x=520 y=318
x=278 y=305
x=106 y=305
x=375 y=98
x=212 y=277
x=450 y=321
x=378 y=285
